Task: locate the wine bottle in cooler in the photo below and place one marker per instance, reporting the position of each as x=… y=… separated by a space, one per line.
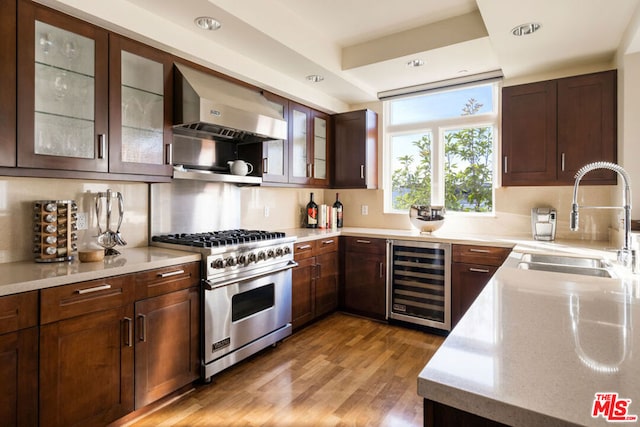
x=339 y=208
x=312 y=213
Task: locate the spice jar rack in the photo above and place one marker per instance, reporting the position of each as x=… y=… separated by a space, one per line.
x=55 y=230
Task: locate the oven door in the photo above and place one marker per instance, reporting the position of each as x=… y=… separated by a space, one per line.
x=239 y=313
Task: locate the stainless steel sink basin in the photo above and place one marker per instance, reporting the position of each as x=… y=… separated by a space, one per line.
x=564 y=260
x=565 y=268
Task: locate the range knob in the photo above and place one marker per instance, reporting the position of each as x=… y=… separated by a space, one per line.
x=219 y=263
x=252 y=257
x=271 y=254
x=242 y=260
x=279 y=252
x=287 y=250
x=261 y=256
x=231 y=261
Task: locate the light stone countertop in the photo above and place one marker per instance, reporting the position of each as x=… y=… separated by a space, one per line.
x=25 y=276
x=535 y=347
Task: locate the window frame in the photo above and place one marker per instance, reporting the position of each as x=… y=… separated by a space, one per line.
x=438 y=128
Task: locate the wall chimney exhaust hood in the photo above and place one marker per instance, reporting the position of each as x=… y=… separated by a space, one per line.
x=210 y=107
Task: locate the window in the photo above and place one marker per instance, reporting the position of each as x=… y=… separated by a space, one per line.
x=440 y=148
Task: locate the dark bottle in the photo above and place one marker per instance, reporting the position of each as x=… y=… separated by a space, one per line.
x=338 y=206
x=312 y=213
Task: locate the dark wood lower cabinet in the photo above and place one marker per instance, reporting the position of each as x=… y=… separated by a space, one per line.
x=314 y=288
x=302 y=292
x=86 y=368
x=19 y=378
x=439 y=415
x=166 y=348
x=326 y=289
x=365 y=289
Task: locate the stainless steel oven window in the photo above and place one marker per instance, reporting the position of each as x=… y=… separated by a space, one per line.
x=251 y=302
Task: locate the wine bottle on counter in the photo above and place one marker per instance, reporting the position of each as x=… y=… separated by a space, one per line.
x=312 y=213
x=339 y=207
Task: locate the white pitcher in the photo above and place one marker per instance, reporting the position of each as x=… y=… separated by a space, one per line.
x=240 y=167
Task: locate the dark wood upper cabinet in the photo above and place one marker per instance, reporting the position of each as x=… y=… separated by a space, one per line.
x=356 y=144
x=309 y=146
x=587 y=123
x=140 y=108
x=63 y=86
x=8 y=77
x=551 y=129
x=529 y=133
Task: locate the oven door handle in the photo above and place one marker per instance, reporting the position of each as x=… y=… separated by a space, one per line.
x=211 y=286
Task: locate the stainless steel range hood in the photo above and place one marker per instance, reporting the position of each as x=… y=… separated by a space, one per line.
x=211 y=107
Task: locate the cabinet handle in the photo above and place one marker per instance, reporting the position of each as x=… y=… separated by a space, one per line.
x=361 y=171
x=308 y=170
x=506 y=169
x=381 y=270
x=129 y=334
x=562 y=162
x=171 y=273
x=143 y=327
x=102 y=145
x=327 y=242
x=168 y=154
x=303 y=247
x=265 y=165
x=318 y=271
x=480 y=251
x=478 y=270
x=94 y=289
x=366 y=242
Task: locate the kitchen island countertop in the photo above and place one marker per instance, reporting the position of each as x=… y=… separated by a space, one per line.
x=536 y=347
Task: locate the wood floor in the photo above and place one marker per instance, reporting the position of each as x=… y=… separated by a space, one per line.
x=341 y=371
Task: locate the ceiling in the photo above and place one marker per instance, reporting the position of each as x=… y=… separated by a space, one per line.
x=362 y=47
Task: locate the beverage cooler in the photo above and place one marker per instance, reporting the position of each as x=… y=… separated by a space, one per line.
x=419 y=281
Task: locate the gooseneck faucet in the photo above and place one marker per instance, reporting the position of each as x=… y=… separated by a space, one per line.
x=624 y=254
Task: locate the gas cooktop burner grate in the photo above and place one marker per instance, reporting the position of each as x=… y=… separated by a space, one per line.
x=218 y=238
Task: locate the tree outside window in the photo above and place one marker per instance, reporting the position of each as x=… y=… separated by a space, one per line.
x=468 y=167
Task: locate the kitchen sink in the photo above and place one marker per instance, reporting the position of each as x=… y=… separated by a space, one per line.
x=564 y=260
x=566 y=268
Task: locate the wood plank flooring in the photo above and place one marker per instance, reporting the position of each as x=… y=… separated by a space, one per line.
x=341 y=371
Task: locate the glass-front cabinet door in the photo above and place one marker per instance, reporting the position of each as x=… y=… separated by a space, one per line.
x=62 y=91
x=140 y=109
x=320 y=149
x=299 y=162
x=275 y=153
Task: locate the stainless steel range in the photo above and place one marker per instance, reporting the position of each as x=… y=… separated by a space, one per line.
x=246 y=291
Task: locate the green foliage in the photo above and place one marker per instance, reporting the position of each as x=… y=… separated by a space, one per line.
x=468 y=169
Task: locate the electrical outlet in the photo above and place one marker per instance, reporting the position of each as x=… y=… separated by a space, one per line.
x=364 y=209
x=266 y=211
x=81 y=221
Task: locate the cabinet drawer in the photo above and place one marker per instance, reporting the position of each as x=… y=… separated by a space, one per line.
x=164 y=280
x=366 y=244
x=484 y=255
x=303 y=250
x=18 y=311
x=63 y=302
x=326 y=245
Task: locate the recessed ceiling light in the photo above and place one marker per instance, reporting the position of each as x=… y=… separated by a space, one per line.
x=207 y=23
x=463 y=71
x=315 y=78
x=525 y=29
x=415 y=63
